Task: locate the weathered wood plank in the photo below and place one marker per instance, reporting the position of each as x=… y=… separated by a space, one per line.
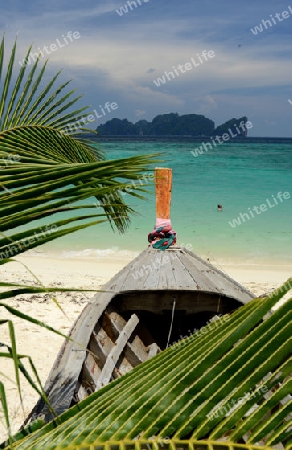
x=63 y=377
x=123 y=279
x=201 y=274
x=153 y=263
x=158 y=301
x=100 y=345
x=90 y=371
x=82 y=393
x=135 y=351
x=117 y=322
x=222 y=282
x=122 y=366
x=178 y=268
x=108 y=325
x=153 y=349
x=181 y=276
x=137 y=275
x=115 y=353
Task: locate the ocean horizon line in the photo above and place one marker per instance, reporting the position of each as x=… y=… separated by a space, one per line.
x=244 y=140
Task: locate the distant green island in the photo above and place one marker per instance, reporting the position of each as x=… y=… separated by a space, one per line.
x=175 y=125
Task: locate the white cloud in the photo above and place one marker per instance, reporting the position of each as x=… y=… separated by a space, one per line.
x=116 y=56
x=207 y=105
x=140 y=112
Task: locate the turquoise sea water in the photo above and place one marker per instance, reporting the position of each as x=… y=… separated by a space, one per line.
x=239 y=176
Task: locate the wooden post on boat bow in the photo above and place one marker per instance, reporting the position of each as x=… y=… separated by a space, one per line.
x=163 y=235
x=163 y=185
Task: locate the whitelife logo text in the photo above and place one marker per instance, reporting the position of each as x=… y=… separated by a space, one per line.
x=183 y=68
x=259 y=209
x=47 y=50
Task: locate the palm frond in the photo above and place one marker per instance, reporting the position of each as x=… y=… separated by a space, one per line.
x=43 y=189
x=167 y=444
x=230 y=383
x=3 y=402
x=44 y=170
x=25 y=106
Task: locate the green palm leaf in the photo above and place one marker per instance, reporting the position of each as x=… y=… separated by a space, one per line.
x=32 y=107
x=168 y=444
x=3 y=402
x=230 y=383
x=44 y=171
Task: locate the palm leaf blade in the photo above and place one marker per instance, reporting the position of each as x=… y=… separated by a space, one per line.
x=7 y=80
x=14 y=94
x=188 y=374
x=37 y=106
x=29 y=90
x=33 y=148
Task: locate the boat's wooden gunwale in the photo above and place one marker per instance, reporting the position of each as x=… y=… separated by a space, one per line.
x=196 y=285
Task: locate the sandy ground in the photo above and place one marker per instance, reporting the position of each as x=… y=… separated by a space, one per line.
x=43 y=345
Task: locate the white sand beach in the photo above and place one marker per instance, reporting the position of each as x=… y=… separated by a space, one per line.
x=43 y=345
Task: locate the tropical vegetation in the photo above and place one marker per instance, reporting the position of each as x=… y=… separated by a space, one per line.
x=226 y=387
x=51 y=182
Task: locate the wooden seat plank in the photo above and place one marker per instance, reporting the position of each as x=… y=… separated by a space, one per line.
x=115 y=353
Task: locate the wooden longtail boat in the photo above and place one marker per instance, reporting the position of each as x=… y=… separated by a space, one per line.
x=157 y=299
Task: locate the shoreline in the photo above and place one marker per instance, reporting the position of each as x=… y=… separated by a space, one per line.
x=83 y=273
x=217 y=257
x=93 y=272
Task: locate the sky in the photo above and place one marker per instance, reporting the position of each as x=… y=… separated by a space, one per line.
x=114 y=57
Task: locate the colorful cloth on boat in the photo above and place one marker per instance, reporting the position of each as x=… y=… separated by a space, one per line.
x=161 y=238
